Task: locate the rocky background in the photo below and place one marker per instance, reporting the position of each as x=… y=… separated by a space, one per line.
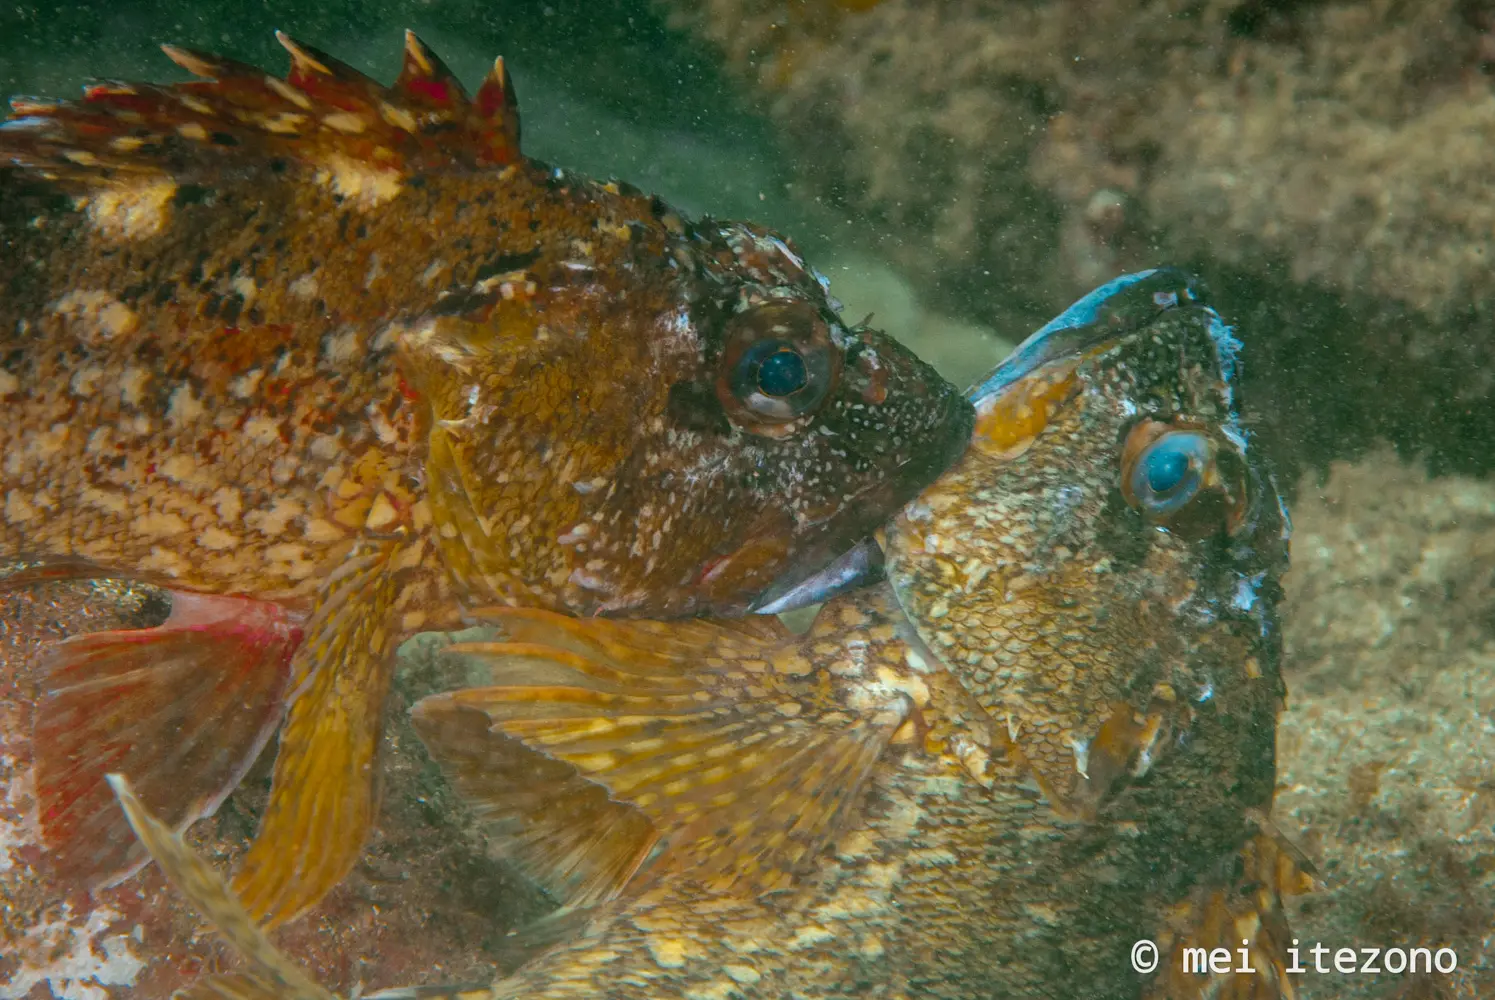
x=962 y=170
x=1322 y=163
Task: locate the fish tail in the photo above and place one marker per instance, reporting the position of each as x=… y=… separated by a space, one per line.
x=272 y=976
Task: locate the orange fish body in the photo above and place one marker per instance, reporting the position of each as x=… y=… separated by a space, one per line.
x=1038 y=762
x=329 y=361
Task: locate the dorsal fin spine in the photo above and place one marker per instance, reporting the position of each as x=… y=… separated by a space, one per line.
x=323 y=109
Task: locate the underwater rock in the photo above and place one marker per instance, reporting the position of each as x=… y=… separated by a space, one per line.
x=1387 y=750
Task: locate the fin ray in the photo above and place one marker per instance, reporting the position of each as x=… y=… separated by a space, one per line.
x=323 y=794
x=561 y=829
x=273 y=976
x=183 y=709
x=322 y=112
x=743 y=774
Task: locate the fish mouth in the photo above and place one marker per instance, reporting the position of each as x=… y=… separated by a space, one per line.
x=1113 y=310
x=828 y=566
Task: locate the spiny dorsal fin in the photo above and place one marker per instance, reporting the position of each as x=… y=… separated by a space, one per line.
x=744 y=761
x=496 y=102
x=426 y=83
x=323 y=113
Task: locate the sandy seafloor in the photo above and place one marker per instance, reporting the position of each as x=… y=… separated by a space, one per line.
x=1387 y=746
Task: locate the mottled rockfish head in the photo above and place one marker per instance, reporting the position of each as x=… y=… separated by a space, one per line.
x=674 y=421
x=1104 y=561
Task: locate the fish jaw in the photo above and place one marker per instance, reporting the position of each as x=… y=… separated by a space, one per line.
x=1093 y=627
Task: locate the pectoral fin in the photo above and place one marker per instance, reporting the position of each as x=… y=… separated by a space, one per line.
x=1124 y=748
x=561 y=829
x=236 y=986
x=745 y=760
x=183 y=709
x=1244 y=916
x=322 y=798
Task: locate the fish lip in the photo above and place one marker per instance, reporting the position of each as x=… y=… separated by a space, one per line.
x=858 y=566
x=1084 y=325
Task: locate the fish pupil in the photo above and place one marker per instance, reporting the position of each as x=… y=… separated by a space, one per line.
x=1166 y=468
x=782 y=373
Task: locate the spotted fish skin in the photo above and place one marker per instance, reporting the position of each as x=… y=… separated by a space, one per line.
x=342 y=350
x=963 y=862
x=247 y=326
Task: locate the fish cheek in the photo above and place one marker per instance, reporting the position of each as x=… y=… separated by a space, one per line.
x=1122 y=534
x=693 y=406
x=751 y=567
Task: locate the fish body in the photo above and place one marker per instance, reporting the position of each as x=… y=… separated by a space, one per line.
x=329 y=361
x=875 y=809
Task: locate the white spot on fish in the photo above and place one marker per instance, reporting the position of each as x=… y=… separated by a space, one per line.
x=95 y=315
x=304 y=287
x=358 y=182
x=345 y=122
x=262 y=430
x=1244 y=598
x=132 y=385
x=85 y=381
x=184 y=407
x=811 y=935
x=340 y=348
x=1081 y=748
x=246 y=385
x=132 y=211
x=229 y=504
x=215 y=539
x=381 y=515
x=155 y=524
x=668 y=952
x=246 y=288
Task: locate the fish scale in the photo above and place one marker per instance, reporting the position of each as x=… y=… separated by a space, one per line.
x=868 y=809
x=341 y=349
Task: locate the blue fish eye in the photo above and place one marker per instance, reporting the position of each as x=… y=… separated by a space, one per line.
x=1169 y=472
x=779 y=364
x=782 y=373
x=1165 y=469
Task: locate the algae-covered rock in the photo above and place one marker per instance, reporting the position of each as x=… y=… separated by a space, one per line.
x=1386 y=770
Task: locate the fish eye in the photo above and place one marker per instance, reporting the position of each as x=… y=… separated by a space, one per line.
x=1186 y=477
x=1169 y=472
x=778 y=366
x=782 y=373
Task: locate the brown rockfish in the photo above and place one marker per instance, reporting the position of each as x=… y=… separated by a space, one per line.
x=330 y=361
x=1051 y=738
